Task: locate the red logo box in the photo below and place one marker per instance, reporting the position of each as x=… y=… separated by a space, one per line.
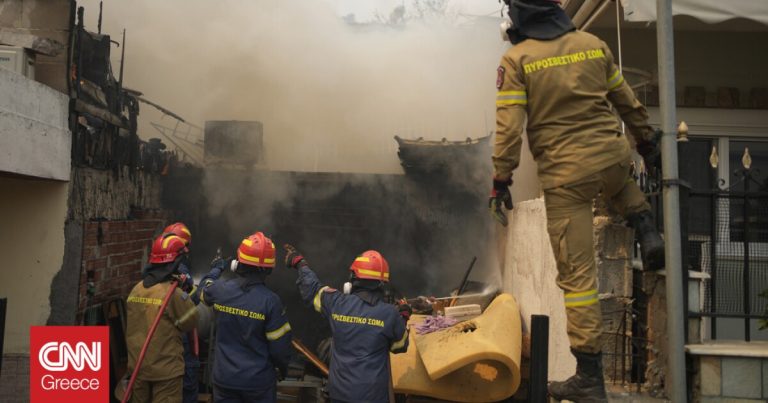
x=69 y=364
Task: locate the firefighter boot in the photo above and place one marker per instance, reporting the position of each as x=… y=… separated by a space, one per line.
x=587 y=385
x=651 y=244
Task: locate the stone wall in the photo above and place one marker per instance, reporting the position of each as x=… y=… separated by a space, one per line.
x=720 y=379
x=613 y=256
x=112 y=195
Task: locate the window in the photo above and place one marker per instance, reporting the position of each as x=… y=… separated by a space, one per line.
x=754 y=180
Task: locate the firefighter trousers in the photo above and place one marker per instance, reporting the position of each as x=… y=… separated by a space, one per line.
x=166 y=391
x=569 y=223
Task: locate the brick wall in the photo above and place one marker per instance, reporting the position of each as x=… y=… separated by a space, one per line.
x=14 y=379
x=114 y=253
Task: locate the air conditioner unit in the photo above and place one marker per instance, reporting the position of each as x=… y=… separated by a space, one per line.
x=18 y=59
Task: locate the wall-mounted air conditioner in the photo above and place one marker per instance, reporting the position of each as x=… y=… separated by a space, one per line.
x=18 y=59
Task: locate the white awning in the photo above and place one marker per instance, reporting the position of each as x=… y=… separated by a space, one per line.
x=710 y=11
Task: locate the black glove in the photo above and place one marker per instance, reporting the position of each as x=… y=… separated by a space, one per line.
x=650 y=151
x=185 y=278
x=218 y=266
x=500 y=196
x=405 y=310
x=293 y=258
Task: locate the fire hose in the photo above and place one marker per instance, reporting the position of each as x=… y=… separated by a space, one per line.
x=319 y=364
x=129 y=388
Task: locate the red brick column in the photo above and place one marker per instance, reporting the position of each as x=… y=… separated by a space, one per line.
x=114 y=253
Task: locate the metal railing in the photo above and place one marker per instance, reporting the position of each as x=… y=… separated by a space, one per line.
x=725 y=238
x=731 y=247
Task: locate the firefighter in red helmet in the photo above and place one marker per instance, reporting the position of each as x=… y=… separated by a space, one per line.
x=179 y=229
x=253 y=336
x=191 y=360
x=161 y=372
x=365 y=328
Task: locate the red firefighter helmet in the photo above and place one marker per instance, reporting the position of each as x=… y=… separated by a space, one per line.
x=167 y=248
x=180 y=230
x=257 y=250
x=371 y=266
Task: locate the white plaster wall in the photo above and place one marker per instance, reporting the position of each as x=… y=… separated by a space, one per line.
x=526 y=185
x=529 y=273
x=32 y=215
x=34 y=135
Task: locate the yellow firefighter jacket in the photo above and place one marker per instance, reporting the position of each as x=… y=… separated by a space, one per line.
x=564 y=87
x=164 y=358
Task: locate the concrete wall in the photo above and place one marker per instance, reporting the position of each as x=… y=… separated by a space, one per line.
x=47 y=19
x=34 y=135
x=32 y=247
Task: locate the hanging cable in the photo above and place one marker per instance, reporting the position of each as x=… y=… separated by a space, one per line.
x=621 y=62
x=618 y=35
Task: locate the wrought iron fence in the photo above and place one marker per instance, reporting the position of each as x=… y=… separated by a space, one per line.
x=733 y=252
x=725 y=238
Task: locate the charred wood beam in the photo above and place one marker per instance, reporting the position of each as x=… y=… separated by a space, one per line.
x=162 y=109
x=100 y=113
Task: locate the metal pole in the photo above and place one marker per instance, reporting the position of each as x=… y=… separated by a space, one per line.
x=120 y=80
x=714 y=238
x=539 y=358
x=3 y=309
x=745 y=280
x=674 y=288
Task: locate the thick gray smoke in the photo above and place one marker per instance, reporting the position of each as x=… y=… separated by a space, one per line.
x=331 y=91
x=332 y=86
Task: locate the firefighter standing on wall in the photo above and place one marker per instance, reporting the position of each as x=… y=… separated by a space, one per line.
x=364 y=327
x=191 y=360
x=253 y=337
x=160 y=376
x=561 y=86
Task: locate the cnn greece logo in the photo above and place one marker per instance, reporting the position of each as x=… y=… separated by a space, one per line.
x=77 y=357
x=66 y=363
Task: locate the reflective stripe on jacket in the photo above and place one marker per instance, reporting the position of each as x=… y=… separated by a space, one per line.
x=564 y=93
x=363 y=336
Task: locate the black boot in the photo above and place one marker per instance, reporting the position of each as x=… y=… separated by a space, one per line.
x=651 y=244
x=587 y=385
